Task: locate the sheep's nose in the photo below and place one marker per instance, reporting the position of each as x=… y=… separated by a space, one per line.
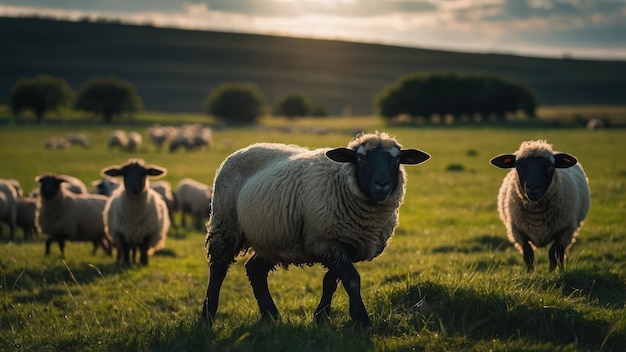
x=382 y=186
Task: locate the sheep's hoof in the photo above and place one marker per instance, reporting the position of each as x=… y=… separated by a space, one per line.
x=322 y=318
x=362 y=323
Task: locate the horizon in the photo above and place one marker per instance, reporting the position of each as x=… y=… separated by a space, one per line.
x=535 y=28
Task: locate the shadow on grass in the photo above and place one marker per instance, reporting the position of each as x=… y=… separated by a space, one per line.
x=483 y=243
x=459 y=312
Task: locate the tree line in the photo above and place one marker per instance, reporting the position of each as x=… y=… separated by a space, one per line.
x=418 y=95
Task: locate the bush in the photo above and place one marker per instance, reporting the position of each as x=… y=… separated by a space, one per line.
x=41 y=95
x=236 y=102
x=108 y=97
x=293 y=105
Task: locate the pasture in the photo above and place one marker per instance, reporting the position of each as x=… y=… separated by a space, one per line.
x=449 y=279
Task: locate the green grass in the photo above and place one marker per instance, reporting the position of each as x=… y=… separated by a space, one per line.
x=449 y=279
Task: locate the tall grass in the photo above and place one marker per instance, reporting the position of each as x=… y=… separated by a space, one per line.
x=449 y=279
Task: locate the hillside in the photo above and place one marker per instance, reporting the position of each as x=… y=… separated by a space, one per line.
x=173 y=70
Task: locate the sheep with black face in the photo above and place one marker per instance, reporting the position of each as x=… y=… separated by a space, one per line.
x=543 y=199
x=293 y=205
x=136 y=216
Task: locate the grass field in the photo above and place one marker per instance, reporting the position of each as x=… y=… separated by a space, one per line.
x=449 y=279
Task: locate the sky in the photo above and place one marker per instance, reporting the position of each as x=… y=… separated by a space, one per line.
x=546 y=28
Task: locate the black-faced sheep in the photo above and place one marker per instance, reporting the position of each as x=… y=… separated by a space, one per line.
x=136 y=217
x=193 y=198
x=105 y=186
x=293 y=205
x=543 y=199
x=66 y=216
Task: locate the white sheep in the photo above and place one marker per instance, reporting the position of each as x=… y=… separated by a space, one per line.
x=134 y=141
x=135 y=215
x=118 y=139
x=165 y=190
x=543 y=199
x=194 y=198
x=79 y=139
x=8 y=214
x=66 y=216
x=26 y=210
x=293 y=205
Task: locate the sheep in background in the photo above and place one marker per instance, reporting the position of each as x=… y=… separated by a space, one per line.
x=26 y=209
x=194 y=198
x=105 y=186
x=134 y=141
x=16 y=185
x=136 y=217
x=73 y=184
x=165 y=190
x=118 y=139
x=158 y=135
x=8 y=214
x=56 y=143
x=543 y=199
x=66 y=216
x=79 y=139
x=292 y=205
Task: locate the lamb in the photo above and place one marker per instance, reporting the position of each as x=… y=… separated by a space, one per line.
x=66 y=216
x=135 y=215
x=194 y=198
x=8 y=215
x=544 y=198
x=293 y=205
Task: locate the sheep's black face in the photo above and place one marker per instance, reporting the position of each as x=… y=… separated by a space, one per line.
x=377 y=171
x=134 y=179
x=49 y=186
x=535 y=176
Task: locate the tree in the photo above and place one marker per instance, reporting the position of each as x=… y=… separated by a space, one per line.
x=108 y=97
x=236 y=102
x=293 y=105
x=41 y=95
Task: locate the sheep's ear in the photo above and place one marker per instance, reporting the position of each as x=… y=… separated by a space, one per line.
x=113 y=172
x=153 y=171
x=341 y=155
x=413 y=156
x=504 y=161
x=564 y=160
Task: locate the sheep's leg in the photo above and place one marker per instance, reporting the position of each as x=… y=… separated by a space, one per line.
x=48 y=242
x=329 y=286
x=257 y=269
x=143 y=251
x=529 y=255
x=217 y=273
x=123 y=252
x=62 y=246
x=341 y=266
x=557 y=253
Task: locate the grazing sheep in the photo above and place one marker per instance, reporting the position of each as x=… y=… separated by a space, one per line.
x=26 y=209
x=136 y=216
x=158 y=135
x=79 y=139
x=194 y=198
x=105 y=186
x=181 y=140
x=56 y=143
x=118 y=139
x=165 y=190
x=66 y=216
x=292 y=205
x=134 y=141
x=544 y=198
x=8 y=214
x=595 y=124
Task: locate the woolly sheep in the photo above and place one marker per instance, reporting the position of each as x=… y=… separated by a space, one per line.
x=194 y=198
x=79 y=139
x=73 y=184
x=294 y=205
x=118 y=139
x=135 y=215
x=164 y=189
x=26 y=209
x=544 y=198
x=16 y=185
x=56 y=143
x=105 y=186
x=134 y=141
x=66 y=216
x=8 y=214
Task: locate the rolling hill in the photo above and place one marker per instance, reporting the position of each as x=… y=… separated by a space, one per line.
x=173 y=70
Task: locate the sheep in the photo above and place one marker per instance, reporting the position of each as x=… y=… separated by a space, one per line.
x=56 y=143
x=293 y=205
x=194 y=198
x=544 y=198
x=164 y=189
x=158 y=135
x=74 y=184
x=79 y=139
x=105 y=186
x=26 y=209
x=134 y=141
x=135 y=215
x=16 y=185
x=65 y=216
x=118 y=139
x=8 y=215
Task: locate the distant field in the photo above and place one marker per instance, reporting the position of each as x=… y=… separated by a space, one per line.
x=448 y=281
